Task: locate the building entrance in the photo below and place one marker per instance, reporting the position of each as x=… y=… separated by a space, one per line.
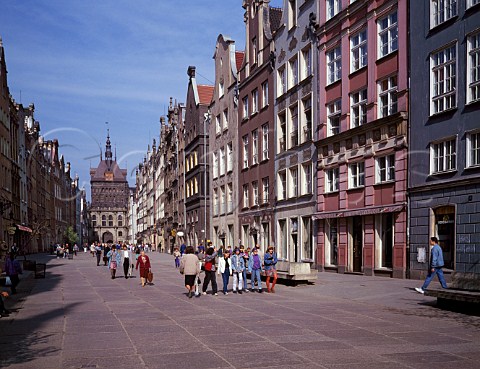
x=445 y=232
x=357 y=242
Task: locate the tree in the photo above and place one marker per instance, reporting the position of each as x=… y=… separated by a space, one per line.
x=70 y=236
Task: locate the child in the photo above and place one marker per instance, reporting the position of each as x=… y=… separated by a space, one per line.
x=225 y=269
x=176 y=254
x=238 y=267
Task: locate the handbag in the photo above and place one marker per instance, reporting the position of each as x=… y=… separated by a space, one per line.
x=8 y=281
x=150 y=277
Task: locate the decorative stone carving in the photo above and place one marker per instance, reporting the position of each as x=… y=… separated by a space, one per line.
x=377 y=135
x=392 y=130
x=362 y=140
x=293 y=44
x=348 y=144
x=281 y=56
x=336 y=147
x=325 y=150
x=294 y=159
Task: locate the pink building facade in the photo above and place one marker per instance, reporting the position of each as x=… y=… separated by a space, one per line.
x=362 y=140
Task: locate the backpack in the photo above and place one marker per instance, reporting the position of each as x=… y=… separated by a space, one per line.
x=209 y=265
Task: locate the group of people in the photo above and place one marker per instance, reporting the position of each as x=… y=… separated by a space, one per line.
x=226 y=263
x=116 y=255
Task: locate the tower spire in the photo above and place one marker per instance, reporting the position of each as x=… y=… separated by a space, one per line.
x=108 y=150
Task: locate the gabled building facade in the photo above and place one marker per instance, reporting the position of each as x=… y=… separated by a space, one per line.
x=223 y=144
x=296 y=127
x=444 y=150
x=256 y=130
x=362 y=137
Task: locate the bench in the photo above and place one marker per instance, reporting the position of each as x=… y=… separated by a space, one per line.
x=464 y=288
x=296 y=272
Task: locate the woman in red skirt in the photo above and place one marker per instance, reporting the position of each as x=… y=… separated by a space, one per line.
x=145 y=267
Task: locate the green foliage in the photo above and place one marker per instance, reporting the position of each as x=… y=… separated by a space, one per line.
x=70 y=236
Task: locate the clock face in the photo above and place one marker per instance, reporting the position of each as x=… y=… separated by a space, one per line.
x=109 y=176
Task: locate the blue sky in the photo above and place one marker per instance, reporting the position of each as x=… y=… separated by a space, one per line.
x=84 y=63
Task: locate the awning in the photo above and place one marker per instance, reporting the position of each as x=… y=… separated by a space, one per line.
x=356 y=212
x=23 y=228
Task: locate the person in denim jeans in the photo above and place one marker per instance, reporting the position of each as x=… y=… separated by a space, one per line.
x=255 y=269
x=238 y=267
x=246 y=256
x=436 y=265
x=225 y=269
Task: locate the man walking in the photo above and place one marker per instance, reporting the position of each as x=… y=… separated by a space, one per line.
x=436 y=265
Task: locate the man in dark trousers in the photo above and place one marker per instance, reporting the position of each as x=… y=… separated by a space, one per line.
x=436 y=265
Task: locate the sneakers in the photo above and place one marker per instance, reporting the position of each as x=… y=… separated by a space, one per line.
x=215 y=294
x=225 y=293
x=204 y=293
x=260 y=290
x=190 y=294
x=239 y=292
x=420 y=290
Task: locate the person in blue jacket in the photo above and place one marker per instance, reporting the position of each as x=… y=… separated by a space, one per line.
x=114 y=260
x=255 y=269
x=238 y=266
x=436 y=265
x=270 y=261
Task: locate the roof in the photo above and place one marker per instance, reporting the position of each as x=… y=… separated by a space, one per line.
x=205 y=94
x=275 y=18
x=98 y=174
x=239 y=55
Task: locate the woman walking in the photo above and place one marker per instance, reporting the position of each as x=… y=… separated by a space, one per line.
x=114 y=260
x=225 y=269
x=12 y=270
x=144 y=262
x=190 y=267
x=270 y=261
x=209 y=267
x=126 y=257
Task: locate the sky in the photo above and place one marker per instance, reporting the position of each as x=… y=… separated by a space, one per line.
x=87 y=62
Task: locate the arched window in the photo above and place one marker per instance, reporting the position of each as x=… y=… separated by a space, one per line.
x=120 y=221
x=104 y=221
x=94 y=220
x=120 y=234
x=110 y=220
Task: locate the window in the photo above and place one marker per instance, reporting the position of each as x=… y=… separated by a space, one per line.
x=254 y=51
x=282 y=131
x=334 y=65
x=254 y=101
x=307 y=119
x=471 y=3
x=221 y=90
x=120 y=234
x=120 y=221
x=282 y=81
x=387 y=96
x=334 y=114
x=307 y=185
x=255 y=147
x=294 y=127
x=229 y=157
x=246 y=202
x=255 y=193
x=215 y=202
x=223 y=200
x=292 y=13
x=332 y=179
x=215 y=165
x=265 y=142
x=222 y=161
x=358 y=47
x=387 y=35
x=306 y=62
x=294 y=182
x=385 y=168
x=443 y=10
x=282 y=188
x=94 y=221
x=443 y=156
x=356 y=175
x=218 y=125
x=110 y=220
x=265 y=190
x=358 y=112
x=229 y=198
x=473 y=68
x=225 y=119
x=293 y=72
x=333 y=8
x=264 y=94
x=473 y=149
x=444 y=80
x=245 y=151
x=245 y=107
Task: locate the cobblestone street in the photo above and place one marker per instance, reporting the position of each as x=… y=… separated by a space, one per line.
x=77 y=317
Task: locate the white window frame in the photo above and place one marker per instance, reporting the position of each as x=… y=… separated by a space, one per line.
x=358 y=50
x=294 y=134
x=307 y=119
x=389 y=32
x=215 y=165
x=265 y=141
x=264 y=94
x=215 y=202
x=441 y=11
x=282 y=185
x=229 y=157
x=356 y=175
x=473 y=67
x=225 y=120
x=387 y=98
x=307 y=179
x=221 y=89
x=473 y=149
x=255 y=193
x=333 y=7
x=246 y=200
x=443 y=79
x=245 y=107
x=229 y=197
x=358 y=108
x=385 y=166
x=471 y=3
x=245 y=151
x=282 y=80
x=218 y=125
x=282 y=118
x=293 y=181
x=442 y=158
x=265 y=190
x=332 y=180
x=334 y=111
x=222 y=161
x=306 y=62
x=292 y=13
x=254 y=101
x=255 y=147
x=334 y=64
x=293 y=72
